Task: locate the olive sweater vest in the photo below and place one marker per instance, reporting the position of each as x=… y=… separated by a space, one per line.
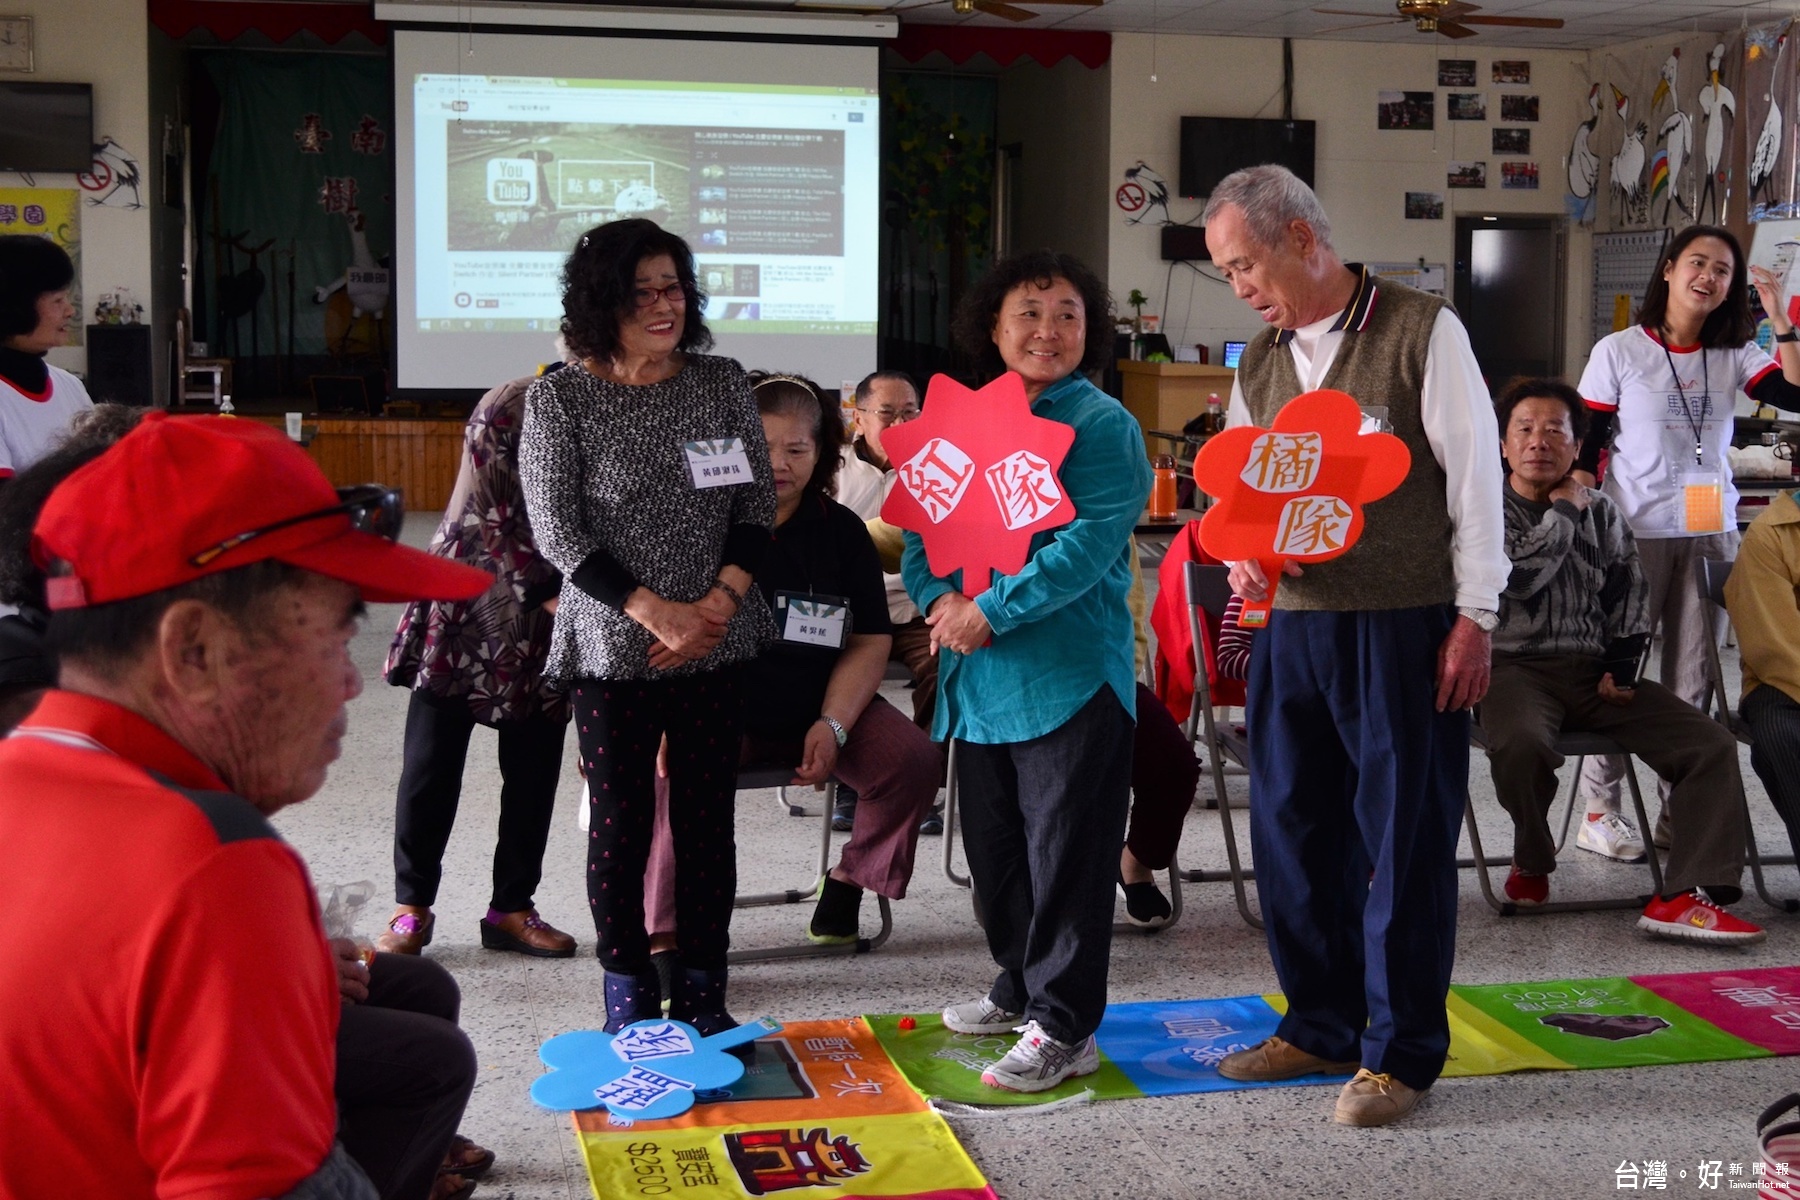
x=1403 y=558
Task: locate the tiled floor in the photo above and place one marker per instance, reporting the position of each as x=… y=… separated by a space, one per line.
x=1556 y=1134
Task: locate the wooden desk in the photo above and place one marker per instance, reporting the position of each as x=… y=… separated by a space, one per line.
x=418 y=454
x=1169 y=395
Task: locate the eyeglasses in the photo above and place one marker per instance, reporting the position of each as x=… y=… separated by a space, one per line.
x=891 y=416
x=371 y=508
x=644 y=297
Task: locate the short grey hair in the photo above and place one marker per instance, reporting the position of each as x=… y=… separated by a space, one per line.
x=1271 y=198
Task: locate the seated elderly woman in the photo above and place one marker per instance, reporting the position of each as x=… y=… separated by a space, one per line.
x=810 y=697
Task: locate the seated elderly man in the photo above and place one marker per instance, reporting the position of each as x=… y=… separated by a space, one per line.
x=1575 y=595
x=205 y=582
x=1763 y=597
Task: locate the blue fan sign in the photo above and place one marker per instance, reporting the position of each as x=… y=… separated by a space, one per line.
x=647 y=1071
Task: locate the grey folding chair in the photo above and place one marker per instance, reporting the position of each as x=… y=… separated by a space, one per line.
x=778 y=777
x=1208 y=592
x=1578 y=746
x=1710 y=575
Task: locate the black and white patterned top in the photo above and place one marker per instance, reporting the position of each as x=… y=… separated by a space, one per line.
x=614 y=506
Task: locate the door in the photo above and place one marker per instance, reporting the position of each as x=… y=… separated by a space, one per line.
x=1509 y=291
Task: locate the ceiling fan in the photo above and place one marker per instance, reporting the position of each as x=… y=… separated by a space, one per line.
x=998 y=8
x=1451 y=18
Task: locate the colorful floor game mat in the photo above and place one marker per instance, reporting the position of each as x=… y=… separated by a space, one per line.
x=841 y=1107
x=1171 y=1048
x=821 y=1111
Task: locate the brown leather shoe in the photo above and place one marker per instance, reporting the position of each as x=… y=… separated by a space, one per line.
x=1272 y=1058
x=1372 y=1099
x=526 y=933
x=408 y=931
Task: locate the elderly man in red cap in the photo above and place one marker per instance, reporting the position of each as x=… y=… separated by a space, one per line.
x=171 y=1003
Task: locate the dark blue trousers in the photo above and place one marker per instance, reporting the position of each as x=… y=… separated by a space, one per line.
x=1356 y=794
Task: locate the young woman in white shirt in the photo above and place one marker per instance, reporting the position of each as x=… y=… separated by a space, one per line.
x=1663 y=393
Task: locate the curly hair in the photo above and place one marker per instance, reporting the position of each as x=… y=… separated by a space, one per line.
x=1523 y=389
x=30 y=267
x=90 y=436
x=798 y=396
x=1726 y=327
x=601 y=275
x=973 y=327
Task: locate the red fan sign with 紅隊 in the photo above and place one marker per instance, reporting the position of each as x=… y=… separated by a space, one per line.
x=977 y=476
x=1294 y=492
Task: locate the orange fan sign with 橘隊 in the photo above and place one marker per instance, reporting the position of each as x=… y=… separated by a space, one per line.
x=1294 y=492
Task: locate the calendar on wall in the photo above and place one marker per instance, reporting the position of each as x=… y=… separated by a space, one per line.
x=1623 y=263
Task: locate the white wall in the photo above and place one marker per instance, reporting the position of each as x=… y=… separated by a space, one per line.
x=1060 y=119
x=1361 y=173
x=105 y=43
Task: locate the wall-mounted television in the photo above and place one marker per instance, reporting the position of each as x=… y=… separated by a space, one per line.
x=46 y=127
x=1214 y=147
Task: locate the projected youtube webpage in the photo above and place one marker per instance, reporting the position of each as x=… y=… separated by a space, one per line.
x=767 y=183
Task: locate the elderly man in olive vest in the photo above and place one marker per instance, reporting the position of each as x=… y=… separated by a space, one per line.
x=1361 y=684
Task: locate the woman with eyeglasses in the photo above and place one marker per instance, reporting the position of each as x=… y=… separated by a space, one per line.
x=1662 y=395
x=648 y=484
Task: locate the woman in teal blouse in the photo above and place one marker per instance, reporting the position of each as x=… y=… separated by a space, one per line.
x=1036 y=683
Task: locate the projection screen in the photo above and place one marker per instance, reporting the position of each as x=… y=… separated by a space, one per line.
x=764 y=156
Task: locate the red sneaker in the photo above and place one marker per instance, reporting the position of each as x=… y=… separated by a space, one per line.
x=1696 y=918
x=1527 y=890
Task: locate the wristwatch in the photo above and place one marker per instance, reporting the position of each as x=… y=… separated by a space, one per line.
x=1486 y=619
x=1792 y=335
x=838 y=731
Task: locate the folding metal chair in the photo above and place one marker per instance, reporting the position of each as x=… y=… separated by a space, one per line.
x=1208 y=592
x=1710 y=575
x=778 y=777
x=1577 y=746
x=951 y=825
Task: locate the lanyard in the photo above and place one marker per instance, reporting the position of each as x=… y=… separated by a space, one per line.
x=1697 y=424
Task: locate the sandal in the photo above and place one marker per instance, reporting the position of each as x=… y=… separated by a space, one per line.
x=408 y=932
x=466 y=1159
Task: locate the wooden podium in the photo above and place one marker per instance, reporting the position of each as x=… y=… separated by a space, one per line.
x=1169 y=395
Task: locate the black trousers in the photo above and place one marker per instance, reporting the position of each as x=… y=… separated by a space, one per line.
x=619 y=724
x=1042 y=824
x=404 y=1073
x=437 y=746
x=1774 y=720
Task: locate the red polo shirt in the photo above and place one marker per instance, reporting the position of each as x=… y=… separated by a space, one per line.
x=168 y=1006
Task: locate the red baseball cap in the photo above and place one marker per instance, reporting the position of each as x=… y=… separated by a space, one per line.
x=179 y=498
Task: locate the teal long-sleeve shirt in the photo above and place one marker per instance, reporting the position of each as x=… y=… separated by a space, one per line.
x=1062 y=629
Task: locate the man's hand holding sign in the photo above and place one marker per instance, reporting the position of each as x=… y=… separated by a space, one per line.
x=977 y=477
x=1294 y=493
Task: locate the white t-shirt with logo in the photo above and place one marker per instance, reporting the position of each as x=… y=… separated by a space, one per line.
x=31 y=425
x=1655 y=434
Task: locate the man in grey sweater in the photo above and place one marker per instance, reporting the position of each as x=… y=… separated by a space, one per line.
x=1568 y=615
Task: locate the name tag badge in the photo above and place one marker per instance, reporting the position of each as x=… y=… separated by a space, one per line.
x=812 y=619
x=718 y=462
x=1703 y=502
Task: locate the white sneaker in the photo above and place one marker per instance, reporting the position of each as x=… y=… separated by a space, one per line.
x=1611 y=836
x=980 y=1016
x=1039 y=1062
